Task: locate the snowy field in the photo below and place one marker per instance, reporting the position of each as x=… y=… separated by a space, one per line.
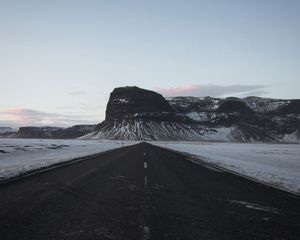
x=276 y=164
x=18 y=156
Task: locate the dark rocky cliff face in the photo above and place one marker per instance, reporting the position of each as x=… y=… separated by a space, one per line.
x=138 y=114
x=124 y=102
x=293 y=107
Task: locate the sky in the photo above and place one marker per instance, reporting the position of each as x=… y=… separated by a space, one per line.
x=60 y=59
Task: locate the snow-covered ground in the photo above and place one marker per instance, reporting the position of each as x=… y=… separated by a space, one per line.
x=18 y=156
x=276 y=164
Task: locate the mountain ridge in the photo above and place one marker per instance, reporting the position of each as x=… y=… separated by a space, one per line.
x=249 y=119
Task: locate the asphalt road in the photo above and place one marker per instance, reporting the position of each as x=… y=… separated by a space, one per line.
x=144 y=192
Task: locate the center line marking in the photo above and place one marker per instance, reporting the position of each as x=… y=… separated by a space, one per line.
x=146 y=181
x=146 y=233
x=145 y=165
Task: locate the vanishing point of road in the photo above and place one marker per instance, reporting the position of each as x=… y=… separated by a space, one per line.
x=144 y=192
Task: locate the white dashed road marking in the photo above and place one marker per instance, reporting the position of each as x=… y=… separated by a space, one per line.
x=146 y=181
x=146 y=228
x=146 y=233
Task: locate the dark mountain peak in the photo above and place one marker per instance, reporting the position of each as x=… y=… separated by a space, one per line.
x=234 y=105
x=126 y=101
x=293 y=107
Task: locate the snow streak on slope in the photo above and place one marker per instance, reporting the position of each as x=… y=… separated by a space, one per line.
x=18 y=156
x=139 y=129
x=276 y=164
x=263 y=105
x=152 y=130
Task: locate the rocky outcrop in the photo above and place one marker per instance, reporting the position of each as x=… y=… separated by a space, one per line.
x=133 y=104
x=293 y=107
x=234 y=105
x=125 y=102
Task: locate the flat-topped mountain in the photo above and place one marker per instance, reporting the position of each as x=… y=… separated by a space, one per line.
x=127 y=101
x=137 y=114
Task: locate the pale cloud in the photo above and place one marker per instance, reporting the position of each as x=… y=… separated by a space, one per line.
x=78 y=93
x=214 y=90
x=29 y=117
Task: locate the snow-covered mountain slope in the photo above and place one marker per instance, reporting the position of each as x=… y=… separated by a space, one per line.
x=138 y=114
x=264 y=105
x=208 y=104
x=171 y=131
x=139 y=129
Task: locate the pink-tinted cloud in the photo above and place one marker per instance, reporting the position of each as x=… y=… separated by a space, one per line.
x=29 y=117
x=20 y=116
x=179 y=90
x=213 y=90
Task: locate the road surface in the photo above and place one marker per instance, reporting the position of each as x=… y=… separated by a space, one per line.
x=144 y=192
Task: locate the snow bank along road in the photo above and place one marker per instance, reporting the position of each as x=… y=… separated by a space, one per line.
x=144 y=192
x=20 y=156
x=274 y=164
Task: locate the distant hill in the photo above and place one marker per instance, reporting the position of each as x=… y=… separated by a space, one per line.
x=7 y=131
x=48 y=132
